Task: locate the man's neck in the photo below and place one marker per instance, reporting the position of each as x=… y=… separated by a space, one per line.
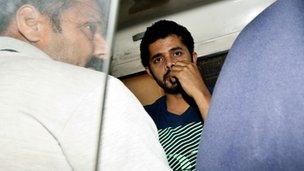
x=176 y=104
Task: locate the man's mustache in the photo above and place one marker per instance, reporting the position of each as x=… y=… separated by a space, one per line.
x=171 y=78
x=167 y=74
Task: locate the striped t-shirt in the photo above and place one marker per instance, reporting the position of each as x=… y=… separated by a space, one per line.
x=178 y=134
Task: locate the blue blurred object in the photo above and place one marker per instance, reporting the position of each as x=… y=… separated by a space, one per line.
x=256 y=118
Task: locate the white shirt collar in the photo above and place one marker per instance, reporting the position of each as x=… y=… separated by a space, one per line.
x=22 y=47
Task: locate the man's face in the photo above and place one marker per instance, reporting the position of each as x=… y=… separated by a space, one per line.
x=164 y=53
x=80 y=38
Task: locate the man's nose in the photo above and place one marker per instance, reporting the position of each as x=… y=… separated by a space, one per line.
x=169 y=61
x=100 y=46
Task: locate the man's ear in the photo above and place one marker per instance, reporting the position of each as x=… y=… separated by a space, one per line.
x=194 y=57
x=28 y=20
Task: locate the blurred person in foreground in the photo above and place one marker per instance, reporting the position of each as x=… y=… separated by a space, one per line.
x=50 y=105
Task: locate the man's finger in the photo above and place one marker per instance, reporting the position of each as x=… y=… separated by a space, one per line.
x=182 y=63
x=177 y=68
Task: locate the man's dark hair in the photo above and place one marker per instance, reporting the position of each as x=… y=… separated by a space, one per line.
x=161 y=30
x=51 y=8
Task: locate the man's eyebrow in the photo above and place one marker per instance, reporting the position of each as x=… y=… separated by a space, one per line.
x=156 y=55
x=94 y=18
x=99 y=23
x=175 y=48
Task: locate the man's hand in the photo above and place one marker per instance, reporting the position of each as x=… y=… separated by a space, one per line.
x=191 y=80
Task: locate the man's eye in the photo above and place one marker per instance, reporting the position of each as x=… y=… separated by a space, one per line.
x=157 y=60
x=177 y=53
x=90 y=30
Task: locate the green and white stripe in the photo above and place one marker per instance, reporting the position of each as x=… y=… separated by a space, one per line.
x=181 y=145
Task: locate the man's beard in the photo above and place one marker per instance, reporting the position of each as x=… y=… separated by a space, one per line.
x=175 y=88
x=95 y=63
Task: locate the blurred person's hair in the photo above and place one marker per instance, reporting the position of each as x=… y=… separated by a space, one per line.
x=50 y=8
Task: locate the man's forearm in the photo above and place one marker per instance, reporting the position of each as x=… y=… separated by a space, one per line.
x=202 y=100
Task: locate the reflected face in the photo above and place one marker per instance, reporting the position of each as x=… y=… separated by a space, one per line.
x=80 y=38
x=164 y=53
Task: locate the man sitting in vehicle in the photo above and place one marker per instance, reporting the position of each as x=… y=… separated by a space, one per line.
x=167 y=53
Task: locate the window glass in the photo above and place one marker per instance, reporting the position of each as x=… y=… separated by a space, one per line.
x=54 y=58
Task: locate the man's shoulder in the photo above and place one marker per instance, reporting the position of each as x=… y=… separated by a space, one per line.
x=158 y=104
x=69 y=69
x=50 y=75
